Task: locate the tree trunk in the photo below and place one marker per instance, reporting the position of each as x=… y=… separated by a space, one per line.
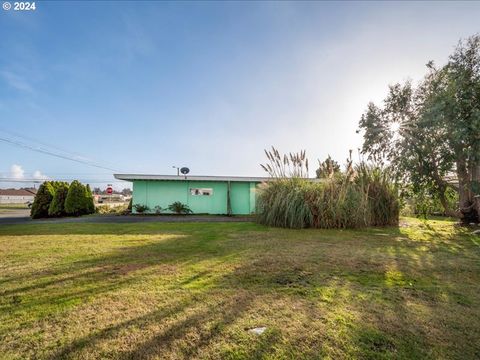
x=476 y=194
x=476 y=203
x=442 y=189
x=467 y=201
x=463 y=185
x=443 y=200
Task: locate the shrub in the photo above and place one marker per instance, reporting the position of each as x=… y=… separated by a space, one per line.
x=115 y=210
x=42 y=200
x=79 y=200
x=158 y=209
x=179 y=208
x=424 y=203
x=89 y=203
x=57 y=205
x=140 y=209
x=383 y=201
x=337 y=202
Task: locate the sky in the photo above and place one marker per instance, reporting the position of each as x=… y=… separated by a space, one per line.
x=88 y=89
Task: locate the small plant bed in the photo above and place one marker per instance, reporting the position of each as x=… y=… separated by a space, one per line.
x=176 y=208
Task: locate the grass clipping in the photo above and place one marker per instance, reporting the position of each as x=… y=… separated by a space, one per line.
x=366 y=197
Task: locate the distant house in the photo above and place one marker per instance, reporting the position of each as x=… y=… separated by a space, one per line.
x=113 y=198
x=14 y=196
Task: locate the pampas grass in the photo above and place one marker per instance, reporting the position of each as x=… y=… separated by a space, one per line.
x=368 y=198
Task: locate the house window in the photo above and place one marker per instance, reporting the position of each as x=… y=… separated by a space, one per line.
x=201 y=191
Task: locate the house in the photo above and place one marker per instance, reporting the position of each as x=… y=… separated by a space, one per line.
x=14 y=196
x=233 y=195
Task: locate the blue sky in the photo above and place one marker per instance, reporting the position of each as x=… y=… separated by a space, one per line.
x=142 y=86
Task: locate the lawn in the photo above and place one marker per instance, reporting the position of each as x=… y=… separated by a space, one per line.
x=192 y=290
x=7 y=208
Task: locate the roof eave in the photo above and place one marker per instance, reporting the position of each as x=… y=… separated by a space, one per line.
x=137 y=177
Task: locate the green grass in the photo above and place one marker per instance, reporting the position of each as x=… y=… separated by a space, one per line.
x=6 y=208
x=191 y=290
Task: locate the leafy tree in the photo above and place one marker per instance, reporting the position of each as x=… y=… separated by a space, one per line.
x=42 y=200
x=429 y=132
x=57 y=206
x=328 y=168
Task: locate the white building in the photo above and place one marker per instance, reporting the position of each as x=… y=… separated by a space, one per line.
x=13 y=196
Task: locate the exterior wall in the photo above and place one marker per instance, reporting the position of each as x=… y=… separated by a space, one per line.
x=15 y=199
x=240 y=197
x=253 y=197
x=162 y=193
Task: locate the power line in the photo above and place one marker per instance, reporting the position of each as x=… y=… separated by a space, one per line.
x=47 y=152
x=15 y=134
x=22 y=180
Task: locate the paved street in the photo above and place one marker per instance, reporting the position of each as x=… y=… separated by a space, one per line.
x=21 y=216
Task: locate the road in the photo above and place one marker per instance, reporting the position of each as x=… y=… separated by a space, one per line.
x=21 y=216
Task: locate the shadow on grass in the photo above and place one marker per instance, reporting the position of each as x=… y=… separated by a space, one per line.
x=373 y=296
x=80 y=280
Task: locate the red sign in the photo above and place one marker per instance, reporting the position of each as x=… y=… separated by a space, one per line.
x=109 y=190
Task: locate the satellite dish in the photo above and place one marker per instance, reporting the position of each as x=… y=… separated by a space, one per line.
x=184 y=170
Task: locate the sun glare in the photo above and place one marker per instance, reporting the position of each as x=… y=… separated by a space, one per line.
x=395 y=127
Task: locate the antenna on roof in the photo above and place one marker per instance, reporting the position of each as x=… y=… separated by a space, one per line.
x=185 y=171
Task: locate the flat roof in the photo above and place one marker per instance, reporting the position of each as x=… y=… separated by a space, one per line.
x=131 y=177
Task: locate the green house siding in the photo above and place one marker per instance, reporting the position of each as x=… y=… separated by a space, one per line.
x=164 y=192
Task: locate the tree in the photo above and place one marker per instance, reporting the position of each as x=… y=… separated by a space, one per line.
x=327 y=168
x=57 y=206
x=89 y=203
x=127 y=192
x=460 y=103
x=42 y=200
x=432 y=131
x=74 y=203
x=79 y=200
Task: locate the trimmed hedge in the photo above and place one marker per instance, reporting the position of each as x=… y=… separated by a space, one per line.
x=79 y=200
x=57 y=206
x=43 y=198
x=56 y=199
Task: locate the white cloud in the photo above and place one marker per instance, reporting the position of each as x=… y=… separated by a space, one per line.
x=37 y=175
x=16 y=81
x=17 y=172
